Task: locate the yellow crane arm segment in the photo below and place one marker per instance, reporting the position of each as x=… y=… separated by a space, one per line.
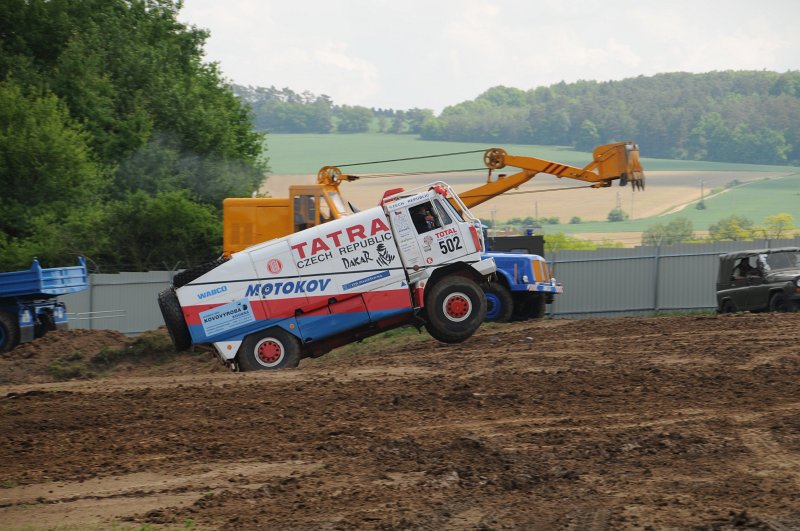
x=611 y=162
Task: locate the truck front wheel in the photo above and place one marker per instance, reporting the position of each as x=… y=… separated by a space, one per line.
x=9 y=332
x=499 y=304
x=268 y=350
x=779 y=302
x=455 y=308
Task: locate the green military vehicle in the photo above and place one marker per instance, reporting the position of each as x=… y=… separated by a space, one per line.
x=759 y=280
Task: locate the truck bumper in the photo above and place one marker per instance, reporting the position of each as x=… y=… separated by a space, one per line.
x=541 y=287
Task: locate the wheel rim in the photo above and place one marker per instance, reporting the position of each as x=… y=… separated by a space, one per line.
x=457 y=307
x=269 y=352
x=492 y=306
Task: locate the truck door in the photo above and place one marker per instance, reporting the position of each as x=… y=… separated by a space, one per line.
x=440 y=236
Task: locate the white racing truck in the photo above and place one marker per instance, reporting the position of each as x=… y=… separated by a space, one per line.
x=414 y=259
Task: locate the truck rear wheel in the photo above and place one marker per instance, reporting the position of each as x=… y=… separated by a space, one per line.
x=499 y=304
x=269 y=350
x=9 y=332
x=186 y=276
x=455 y=308
x=173 y=318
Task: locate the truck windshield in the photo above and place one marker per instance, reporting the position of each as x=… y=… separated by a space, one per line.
x=447 y=207
x=783 y=260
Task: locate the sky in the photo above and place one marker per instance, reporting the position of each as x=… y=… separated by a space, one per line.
x=404 y=54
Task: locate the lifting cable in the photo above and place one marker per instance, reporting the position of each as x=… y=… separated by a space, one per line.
x=411 y=158
x=532 y=191
x=404 y=174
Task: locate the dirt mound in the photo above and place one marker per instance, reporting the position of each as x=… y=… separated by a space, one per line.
x=44 y=359
x=88 y=354
x=689 y=422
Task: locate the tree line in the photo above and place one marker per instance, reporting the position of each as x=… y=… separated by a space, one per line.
x=729 y=116
x=117 y=142
x=285 y=111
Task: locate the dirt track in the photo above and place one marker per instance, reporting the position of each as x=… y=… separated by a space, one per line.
x=640 y=423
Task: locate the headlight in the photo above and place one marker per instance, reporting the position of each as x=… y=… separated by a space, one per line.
x=797 y=282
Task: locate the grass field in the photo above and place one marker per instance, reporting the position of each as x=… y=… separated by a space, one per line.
x=673 y=187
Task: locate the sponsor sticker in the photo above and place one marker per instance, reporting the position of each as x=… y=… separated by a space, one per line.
x=365 y=280
x=274 y=266
x=227 y=317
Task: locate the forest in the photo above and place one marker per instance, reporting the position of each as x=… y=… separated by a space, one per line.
x=729 y=116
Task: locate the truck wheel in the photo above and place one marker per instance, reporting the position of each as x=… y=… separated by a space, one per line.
x=268 y=350
x=173 y=318
x=186 y=276
x=728 y=307
x=499 y=304
x=538 y=306
x=779 y=302
x=9 y=332
x=455 y=308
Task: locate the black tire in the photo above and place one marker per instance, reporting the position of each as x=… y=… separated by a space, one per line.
x=728 y=307
x=455 y=307
x=9 y=332
x=529 y=306
x=779 y=302
x=186 y=276
x=499 y=304
x=269 y=350
x=538 y=306
x=173 y=318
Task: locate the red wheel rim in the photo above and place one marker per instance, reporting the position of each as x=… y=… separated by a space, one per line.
x=457 y=306
x=269 y=352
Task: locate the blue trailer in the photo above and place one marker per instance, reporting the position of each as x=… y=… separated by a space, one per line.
x=29 y=307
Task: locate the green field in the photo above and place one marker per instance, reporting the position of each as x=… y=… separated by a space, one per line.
x=306 y=154
x=777 y=191
x=754 y=200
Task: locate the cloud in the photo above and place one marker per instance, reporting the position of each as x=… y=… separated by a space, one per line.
x=432 y=54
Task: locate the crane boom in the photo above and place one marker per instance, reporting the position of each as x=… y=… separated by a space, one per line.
x=619 y=160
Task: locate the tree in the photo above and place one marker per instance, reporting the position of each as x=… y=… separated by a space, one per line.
x=353 y=119
x=47 y=173
x=101 y=100
x=778 y=225
x=588 y=137
x=676 y=231
x=161 y=231
x=734 y=228
x=617 y=214
x=562 y=242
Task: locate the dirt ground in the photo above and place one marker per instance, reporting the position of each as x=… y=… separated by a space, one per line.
x=689 y=422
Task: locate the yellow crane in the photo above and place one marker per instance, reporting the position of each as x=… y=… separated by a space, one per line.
x=247 y=221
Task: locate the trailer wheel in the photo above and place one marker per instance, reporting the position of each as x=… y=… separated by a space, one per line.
x=186 y=276
x=9 y=332
x=173 y=318
x=455 y=308
x=779 y=302
x=499 y=304
x=269 y=350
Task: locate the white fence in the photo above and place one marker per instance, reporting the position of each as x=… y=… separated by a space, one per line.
x=605 y=282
